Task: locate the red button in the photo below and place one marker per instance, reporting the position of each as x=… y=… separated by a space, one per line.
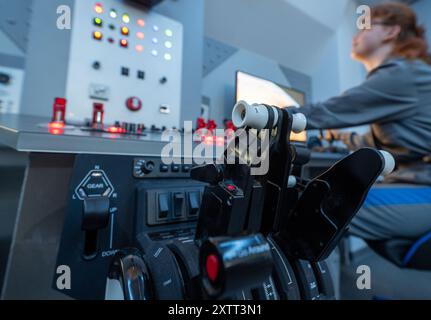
x=231 y=187
x=134 y=104
x=212 y=267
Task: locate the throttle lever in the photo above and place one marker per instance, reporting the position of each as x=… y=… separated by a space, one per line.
x=130 y=270
x=209 y=173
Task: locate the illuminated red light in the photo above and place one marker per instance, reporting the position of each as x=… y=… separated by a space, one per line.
x=98 y=8
x=231 y=187
x=208 y=140
x=141 y=22
x=139 y=48
x=220 y=141
x=56 y=125
x=124 y=43
x=140 y=35
x=116 y=130
x=56 y=132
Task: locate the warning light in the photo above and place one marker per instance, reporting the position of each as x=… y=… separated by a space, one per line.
x=168 y=57
x=98 y=22
x=56 y=125
x=155 y=53
x=116 y=130
x=113 y=14
x=126 y=18
x=98 y=8
x=231 y=187
x=169 y=33
x=140 y=35
x=168 y=44
x=125 y=31
x=97 y=35
x=208 y=140
x=220 y=141
x=141 y=22
x=124 y=43
x=139 y=48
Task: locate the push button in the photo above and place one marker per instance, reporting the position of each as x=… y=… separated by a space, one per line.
x=175 y=168
x=164 y=168
x=134 y=104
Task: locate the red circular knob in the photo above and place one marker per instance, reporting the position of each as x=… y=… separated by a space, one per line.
x=212 y=267
x=134 y=104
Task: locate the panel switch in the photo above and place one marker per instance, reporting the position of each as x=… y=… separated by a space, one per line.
x=163 y=201
x=178 y=204
x=194 y=199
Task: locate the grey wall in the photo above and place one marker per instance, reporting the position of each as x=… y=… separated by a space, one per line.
x=222 y=62
x=423 y=10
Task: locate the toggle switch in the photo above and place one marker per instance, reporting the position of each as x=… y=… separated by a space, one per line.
x=194 y=199
x=178 y=204
x=98 y=112
x=163 y=202
x=95 y=217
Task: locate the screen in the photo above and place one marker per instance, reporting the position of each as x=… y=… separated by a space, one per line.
x=252 y=89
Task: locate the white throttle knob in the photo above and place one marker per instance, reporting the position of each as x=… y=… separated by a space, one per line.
x=292 y=182
x=389 y=162
x=256 y=116
x=299 y=123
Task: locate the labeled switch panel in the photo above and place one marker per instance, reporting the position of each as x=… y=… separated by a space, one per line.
x=169 y=204
x=127 y=57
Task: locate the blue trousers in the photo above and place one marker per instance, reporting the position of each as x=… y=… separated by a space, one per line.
x=394 y=211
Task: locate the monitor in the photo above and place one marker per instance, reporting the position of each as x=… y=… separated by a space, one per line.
x=252 y=89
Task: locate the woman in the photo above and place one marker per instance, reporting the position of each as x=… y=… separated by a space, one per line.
x=396 y=101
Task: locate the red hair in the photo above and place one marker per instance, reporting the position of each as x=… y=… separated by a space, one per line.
x=411 y=42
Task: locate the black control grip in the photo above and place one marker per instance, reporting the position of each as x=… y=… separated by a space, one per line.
x=129 y=268
x=229 y=265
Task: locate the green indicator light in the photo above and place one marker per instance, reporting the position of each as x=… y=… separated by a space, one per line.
x=97 y=21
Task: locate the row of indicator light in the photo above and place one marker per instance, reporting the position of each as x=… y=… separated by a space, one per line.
x=124 y=43
x=140 y=35
x=99 y=22
x=126 y=19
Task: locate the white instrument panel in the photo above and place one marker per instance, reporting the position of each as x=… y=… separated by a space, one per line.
x=11 y=81
x=128 y=59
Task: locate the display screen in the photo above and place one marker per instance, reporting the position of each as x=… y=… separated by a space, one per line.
x=252 y=89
